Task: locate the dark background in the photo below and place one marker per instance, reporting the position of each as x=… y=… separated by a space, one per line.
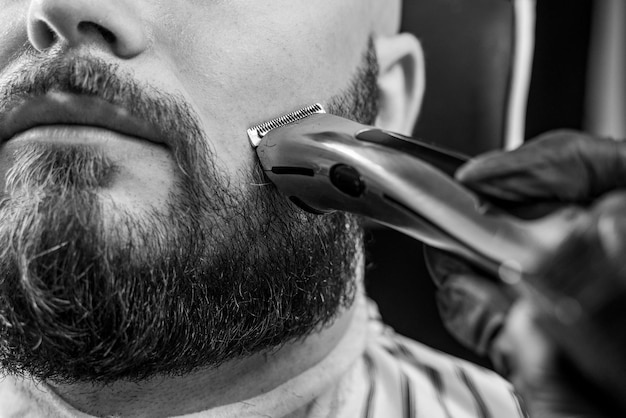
x=468 y=51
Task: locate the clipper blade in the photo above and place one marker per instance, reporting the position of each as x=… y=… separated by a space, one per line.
x=256 y=133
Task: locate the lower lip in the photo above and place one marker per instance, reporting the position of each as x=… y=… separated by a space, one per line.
x=78 y=135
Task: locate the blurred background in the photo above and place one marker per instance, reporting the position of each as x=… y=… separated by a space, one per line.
x=578 y=72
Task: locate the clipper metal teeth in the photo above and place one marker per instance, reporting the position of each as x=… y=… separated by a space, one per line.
x=256 y=133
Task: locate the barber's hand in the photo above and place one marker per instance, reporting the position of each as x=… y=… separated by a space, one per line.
x=561 y=167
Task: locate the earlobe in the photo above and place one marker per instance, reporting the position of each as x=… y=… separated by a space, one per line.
x=401 y=81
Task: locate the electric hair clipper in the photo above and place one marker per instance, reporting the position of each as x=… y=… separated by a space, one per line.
x=324 y=163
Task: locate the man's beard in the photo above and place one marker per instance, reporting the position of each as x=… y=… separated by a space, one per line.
x=92 y=293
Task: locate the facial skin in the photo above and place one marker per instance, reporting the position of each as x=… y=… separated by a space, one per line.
x=118 y=251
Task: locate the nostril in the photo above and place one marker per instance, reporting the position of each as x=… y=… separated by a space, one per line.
x=43 y=36
x=76 y=23
x=106 y=34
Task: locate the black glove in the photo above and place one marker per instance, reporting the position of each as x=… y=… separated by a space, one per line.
x=563 y=167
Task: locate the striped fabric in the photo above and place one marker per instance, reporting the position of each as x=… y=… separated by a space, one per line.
x=372 y=373
x=406 y=379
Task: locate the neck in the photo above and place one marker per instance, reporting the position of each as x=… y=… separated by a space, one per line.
x=233 y=382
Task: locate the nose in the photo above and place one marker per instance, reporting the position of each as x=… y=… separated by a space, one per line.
x=111 y=23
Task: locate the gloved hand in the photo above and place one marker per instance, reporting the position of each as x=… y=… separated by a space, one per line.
x=565 y=167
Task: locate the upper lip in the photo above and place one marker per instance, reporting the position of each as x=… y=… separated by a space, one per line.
x=57 y=108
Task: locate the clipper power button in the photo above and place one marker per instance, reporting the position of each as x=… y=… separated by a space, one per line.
x=347 y=179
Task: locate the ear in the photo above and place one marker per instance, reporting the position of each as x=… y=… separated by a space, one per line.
x=401 y=81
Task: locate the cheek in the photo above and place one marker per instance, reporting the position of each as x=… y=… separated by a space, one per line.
x=241 y=64
x=13 y=34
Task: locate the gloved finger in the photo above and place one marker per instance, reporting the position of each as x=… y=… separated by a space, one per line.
x=566 y=166
x=610 y=212
x=473 y=310
x=521 y=352
x=589 y=266
x=472 y=307
x=546 y=381
x=441 y=265
x=528 y=359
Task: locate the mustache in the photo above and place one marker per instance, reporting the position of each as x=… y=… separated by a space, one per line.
x=91 y=76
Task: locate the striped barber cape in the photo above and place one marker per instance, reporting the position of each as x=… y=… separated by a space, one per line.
x=406 y=379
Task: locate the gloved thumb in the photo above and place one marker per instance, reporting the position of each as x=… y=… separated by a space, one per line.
x=565 y=166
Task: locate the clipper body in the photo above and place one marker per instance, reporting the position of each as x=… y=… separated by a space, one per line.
x=325 y=163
